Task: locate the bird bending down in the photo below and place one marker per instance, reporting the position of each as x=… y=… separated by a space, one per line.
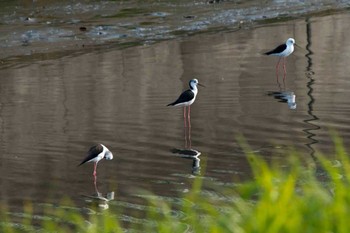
x=283 y=51
x=187 y=98
x=95 y=154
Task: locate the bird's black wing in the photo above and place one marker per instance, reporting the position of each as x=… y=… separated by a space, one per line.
x=278 y=49
x=184 y=97
x=92 y=153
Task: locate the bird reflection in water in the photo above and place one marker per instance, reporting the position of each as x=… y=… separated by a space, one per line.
x=190 y=154
x=188 y=141
x=98 y=199
x=285 y=97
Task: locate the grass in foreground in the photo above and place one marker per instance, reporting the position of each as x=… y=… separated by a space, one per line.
x=278 y=200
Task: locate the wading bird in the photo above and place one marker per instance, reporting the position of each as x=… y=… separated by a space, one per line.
x=283 y=51
x=187 y=98
x=95 y=154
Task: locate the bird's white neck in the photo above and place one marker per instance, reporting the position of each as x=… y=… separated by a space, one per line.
x=194 y=89
x=290 y=45
x=104 y=148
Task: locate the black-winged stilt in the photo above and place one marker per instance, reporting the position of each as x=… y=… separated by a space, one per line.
x=283 y=50
x=187 y=98
x=95 y=154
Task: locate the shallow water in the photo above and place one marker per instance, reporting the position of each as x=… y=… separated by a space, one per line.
x=53 y=107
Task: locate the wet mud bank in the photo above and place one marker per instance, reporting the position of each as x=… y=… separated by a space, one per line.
x=58 y=28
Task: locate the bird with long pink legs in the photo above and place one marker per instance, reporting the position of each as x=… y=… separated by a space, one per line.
x=96 y=154
x=186 y=99
x=282 y=51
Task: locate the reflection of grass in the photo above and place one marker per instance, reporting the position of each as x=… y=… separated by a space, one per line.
x=129 y=44
x=147 y=23
x=279 y=19
x=279 y=199
x=286 y=17
x=210 y=30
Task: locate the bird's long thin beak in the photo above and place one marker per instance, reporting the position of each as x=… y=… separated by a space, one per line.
x=201 y=85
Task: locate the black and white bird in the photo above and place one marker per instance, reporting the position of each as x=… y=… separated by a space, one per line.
x=97 y=153
x=283 y=51
x=187 y=98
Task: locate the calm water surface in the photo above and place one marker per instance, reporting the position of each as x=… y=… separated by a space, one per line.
x=53 y=110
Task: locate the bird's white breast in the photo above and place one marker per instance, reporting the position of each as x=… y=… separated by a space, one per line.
x=289 y=50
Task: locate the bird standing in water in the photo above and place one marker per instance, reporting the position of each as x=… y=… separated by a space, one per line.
x=187 y=98
x=283 y=51
x=95 y=154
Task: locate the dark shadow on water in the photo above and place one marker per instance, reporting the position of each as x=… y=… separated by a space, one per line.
x=284 y=97
x=312 y=119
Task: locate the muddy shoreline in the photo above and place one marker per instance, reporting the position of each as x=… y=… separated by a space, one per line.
x=40 y=28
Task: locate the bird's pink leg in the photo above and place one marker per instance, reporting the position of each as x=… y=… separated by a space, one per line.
x=186 y=142
x=185 y=129
x=95 y=166
x=284 y=67
x=95 y=181
x=277 y=66
x=189 y=138
x=189 y=116
x=185 y=116
x=277 y=79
